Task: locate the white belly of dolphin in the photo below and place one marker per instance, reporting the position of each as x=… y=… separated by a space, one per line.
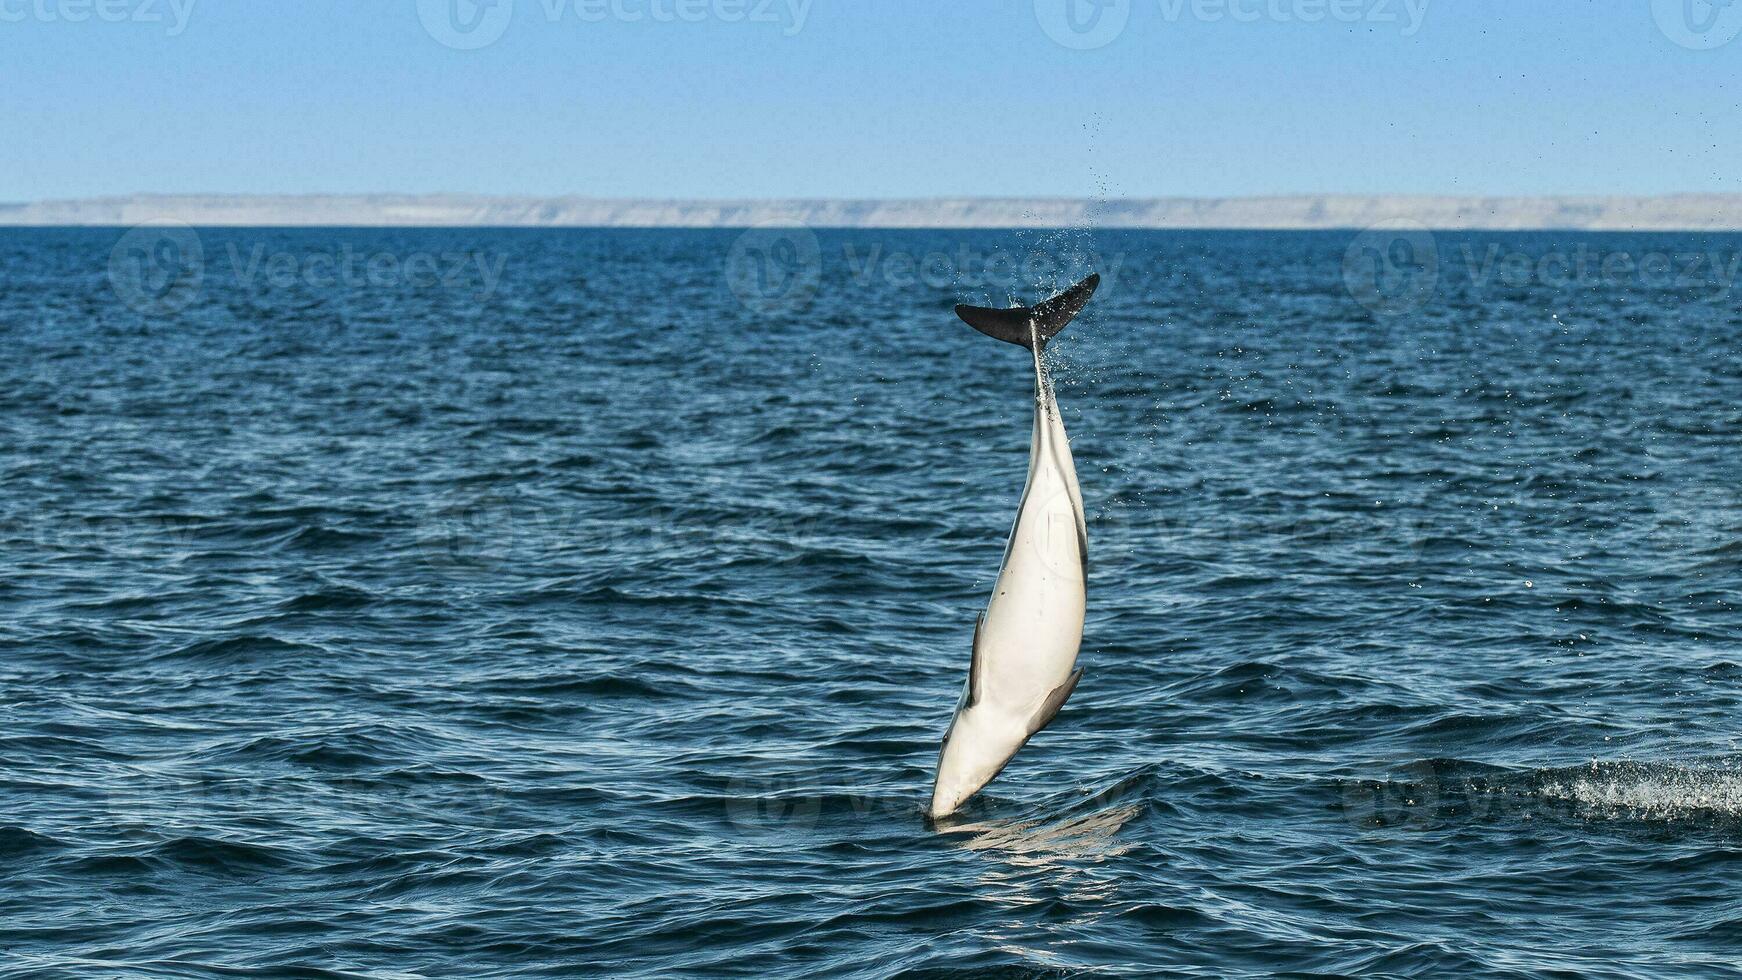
x=1025 y=646
x=1034 y=621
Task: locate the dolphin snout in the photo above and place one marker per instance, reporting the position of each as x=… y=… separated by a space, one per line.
x=956 y=785
x=943 y=804
x=952 y=789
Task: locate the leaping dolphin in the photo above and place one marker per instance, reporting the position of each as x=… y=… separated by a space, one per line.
x=1025 y=643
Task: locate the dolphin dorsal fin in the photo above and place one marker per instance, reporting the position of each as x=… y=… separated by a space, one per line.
x=1050 y=705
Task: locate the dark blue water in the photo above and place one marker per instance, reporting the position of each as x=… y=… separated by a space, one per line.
x=498 y=603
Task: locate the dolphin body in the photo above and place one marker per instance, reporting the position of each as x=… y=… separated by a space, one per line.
x=1025 y=643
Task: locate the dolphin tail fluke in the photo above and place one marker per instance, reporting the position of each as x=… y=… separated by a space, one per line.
x=1019 y=324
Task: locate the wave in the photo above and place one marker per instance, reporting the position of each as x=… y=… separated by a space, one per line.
x=245 y=649
x=17 y=842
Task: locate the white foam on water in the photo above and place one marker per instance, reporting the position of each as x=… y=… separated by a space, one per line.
x=1651 y=791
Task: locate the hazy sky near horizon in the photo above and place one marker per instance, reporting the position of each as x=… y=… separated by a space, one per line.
x=848 y=98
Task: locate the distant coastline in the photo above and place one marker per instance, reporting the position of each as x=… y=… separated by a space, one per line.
x=1674 y=212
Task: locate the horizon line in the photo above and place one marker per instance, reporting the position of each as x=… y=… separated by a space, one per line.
x=1678 y=211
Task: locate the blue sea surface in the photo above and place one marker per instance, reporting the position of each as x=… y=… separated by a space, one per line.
x=516 y=603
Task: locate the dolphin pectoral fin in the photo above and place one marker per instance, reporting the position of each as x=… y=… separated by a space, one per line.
x=1050 y=705
x=975 y=674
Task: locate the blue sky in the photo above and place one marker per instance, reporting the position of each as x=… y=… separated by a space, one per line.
x=874 y=98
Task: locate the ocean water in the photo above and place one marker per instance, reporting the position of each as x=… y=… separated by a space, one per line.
x=496 y=603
